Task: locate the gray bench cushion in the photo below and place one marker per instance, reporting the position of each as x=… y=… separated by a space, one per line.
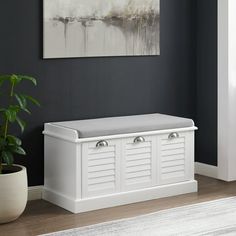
x=125 y=124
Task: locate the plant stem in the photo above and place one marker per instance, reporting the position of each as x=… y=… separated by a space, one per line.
x=12 y=90
x=6 y=125
x=7 y=121
x=6 y=128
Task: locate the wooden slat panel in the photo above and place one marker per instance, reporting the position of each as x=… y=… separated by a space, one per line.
x=172 y=146
x=101 y=174
x=138 y=163
x=176 y=155
x=138 y=168
x=101 y=168
x=96 y=150
x=173 y=175
x=172 y=169
x=101 y=180
x=138 y=174
x=172 y=163
x=173 y=158
x=173 y=152
x=101 y=155
x=92 y=169
x=101 y=162
x=138 y=151
x=139 y=156
x=138 y=180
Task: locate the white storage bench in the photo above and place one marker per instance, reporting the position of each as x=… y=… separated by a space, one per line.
x=100 y=163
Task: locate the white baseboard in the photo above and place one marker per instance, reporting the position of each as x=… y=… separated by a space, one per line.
x=35 y=193
x=206 y=170
x=118 y=199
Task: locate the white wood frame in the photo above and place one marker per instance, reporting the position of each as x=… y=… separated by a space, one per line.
x=66 y=166
x=226 y=90
x=225 y=170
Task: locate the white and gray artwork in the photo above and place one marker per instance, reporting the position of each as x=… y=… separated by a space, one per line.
x=93 y=28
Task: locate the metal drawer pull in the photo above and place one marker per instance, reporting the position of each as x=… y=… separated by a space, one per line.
x=173 y=135
x=102 y=143
x=139 y=139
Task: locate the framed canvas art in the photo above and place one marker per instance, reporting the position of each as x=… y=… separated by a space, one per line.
x=97 y=28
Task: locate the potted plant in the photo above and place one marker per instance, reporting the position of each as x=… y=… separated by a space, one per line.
x=13 y=178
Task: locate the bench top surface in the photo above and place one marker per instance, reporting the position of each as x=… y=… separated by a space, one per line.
x=125 y=124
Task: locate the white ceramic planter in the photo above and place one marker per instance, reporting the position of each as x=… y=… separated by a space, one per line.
x=13 y=194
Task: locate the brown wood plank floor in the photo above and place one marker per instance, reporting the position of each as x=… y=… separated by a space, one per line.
x=41 y=217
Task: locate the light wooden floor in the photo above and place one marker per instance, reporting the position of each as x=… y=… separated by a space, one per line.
x=41 y=217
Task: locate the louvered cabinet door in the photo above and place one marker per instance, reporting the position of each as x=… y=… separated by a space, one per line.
x=138 y=163
x=175 y=157
x=100 y=168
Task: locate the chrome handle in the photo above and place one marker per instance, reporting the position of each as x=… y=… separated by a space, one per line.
x=139 y=139
x=102 y=143
x=173 y=136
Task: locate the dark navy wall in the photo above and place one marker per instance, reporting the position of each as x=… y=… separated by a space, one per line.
x=99 y=87
x=206 y=77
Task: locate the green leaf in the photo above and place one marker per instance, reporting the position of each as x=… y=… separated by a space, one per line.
x=25 y=77
x=33 y=100
x=26 y=110
x=11 y=115
x=21 y=123
x=22 y=102
x=14 y=140
x=19 y=150
x=15 y=108
x=7 y=157
x=15 y=79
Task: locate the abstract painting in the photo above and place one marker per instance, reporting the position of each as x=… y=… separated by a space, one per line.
x=97 y=28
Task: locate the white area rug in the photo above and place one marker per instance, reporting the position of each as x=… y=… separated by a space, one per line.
x=205 y=219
